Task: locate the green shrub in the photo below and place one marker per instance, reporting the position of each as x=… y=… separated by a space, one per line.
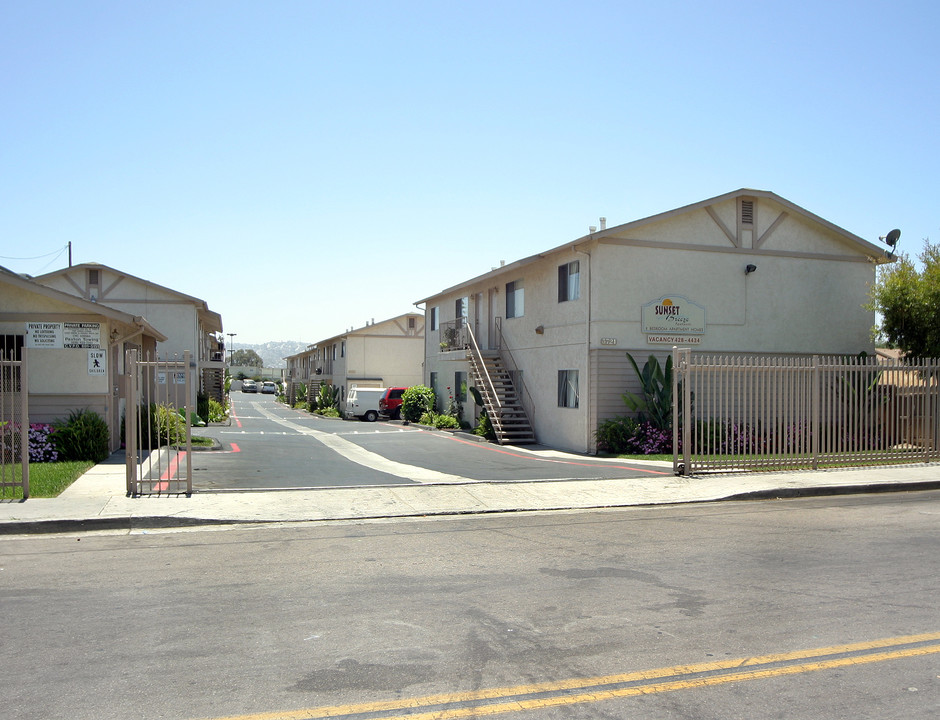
x=329 y=412
x=415 y=402
x=484 y=427
x=442 y=422
x=614 y=435
x=217 y=411
x=655 y=404
x=326 y=398
x=84 y=435
x=170 y=426
x=202 y=406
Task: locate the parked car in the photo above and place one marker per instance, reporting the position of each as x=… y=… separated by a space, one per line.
x=269 y=388
x=363 y=403
x=249 y=386
x=390 y=403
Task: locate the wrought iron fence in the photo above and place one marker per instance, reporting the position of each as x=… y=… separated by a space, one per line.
x=746 y=413
x=158 y=429
x=454 y=335
x=14 y=427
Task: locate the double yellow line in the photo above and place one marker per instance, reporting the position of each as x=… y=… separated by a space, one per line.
x=494 y=701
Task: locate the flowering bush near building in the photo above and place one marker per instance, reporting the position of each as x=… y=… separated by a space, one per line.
x=41 y=448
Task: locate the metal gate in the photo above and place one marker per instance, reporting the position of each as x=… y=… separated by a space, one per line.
x=157 y=425
x=802 y=412
x=14 y=427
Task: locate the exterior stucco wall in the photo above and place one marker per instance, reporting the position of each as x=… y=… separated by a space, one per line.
x=382 y=354
x=806 y=296
x=59 y=378
x=788 y=305
x=172 y=315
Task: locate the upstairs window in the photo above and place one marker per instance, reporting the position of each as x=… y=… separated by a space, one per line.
x=569 y=281
x=461 y=310
x=435 y=317
x=515 y=299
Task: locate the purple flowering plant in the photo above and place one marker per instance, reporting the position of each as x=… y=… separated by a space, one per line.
x=41 y=447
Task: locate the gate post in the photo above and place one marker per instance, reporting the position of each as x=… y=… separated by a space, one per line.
x=24 y=420
x=816 y=411
x=131 y=414
x=680 y=369
x=189 y=425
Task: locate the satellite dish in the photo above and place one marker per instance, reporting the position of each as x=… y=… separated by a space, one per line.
x=892 y=237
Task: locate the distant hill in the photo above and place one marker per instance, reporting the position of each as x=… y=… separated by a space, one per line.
x=273 y=353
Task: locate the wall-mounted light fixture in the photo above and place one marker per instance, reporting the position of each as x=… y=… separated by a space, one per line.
x=540 y=330
x=749 y=269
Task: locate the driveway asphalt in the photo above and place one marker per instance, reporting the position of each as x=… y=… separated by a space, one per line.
x=97 y=500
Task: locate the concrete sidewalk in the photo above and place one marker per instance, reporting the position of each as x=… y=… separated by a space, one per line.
x=97 y=500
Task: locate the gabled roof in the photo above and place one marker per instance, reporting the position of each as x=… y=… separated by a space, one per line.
x=28 y=285
x=211 y=318
x=874 y=252
x=353 y=331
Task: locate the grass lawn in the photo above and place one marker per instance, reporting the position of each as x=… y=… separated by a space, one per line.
x=47 y=480
x=664 y=458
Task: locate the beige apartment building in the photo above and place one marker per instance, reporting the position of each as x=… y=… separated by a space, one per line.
x=186 y=322
x=387 y=353
x=75 y=350
x=748 y=272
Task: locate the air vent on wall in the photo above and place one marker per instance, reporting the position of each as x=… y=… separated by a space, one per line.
x=747 y=212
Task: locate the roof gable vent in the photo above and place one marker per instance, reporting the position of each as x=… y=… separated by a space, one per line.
x=747 y=212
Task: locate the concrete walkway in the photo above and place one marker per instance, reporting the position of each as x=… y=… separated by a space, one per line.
x=97 y=500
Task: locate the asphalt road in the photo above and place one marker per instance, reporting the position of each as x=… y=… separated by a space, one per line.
x=269 y=445
x=798 y=609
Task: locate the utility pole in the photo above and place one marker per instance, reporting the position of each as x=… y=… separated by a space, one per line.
x=231 y=348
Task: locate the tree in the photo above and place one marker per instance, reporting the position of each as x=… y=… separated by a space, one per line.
x=247 y=358
x=908 y=301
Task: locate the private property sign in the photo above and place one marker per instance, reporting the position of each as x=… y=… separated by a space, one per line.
x=673 y=315
x=69 y=335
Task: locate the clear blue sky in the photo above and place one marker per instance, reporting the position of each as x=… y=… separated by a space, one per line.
x=307 y=166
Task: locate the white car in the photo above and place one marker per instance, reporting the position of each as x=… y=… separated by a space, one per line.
x=269 y=388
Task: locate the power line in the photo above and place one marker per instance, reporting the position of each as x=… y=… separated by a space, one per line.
x=37 y=257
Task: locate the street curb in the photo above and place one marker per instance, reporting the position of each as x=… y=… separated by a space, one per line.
x=158 y=522
x=824 y=491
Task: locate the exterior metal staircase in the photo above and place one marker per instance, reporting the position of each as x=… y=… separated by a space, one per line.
x=500 y=398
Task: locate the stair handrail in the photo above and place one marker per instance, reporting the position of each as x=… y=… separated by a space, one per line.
x=478 y=359
x=527 y=405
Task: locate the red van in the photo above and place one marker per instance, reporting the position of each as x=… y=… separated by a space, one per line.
x=390 y=403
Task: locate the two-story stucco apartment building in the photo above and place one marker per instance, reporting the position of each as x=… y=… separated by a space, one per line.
x=187 y=322
x=387 y=353
x=746 y=272
x=75 y=350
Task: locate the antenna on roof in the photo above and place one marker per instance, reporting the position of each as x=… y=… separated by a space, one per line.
x=891 y=240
